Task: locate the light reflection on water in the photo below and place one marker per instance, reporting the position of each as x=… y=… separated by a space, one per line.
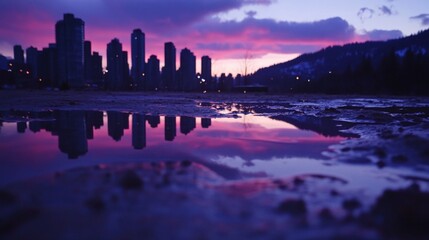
x=38 y=143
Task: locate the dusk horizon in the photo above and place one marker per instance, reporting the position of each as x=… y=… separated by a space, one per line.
x=214 y=119
x=230 y=32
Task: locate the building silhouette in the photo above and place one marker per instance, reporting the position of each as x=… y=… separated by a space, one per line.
x=139 y=131
x=138 y=56
x=187 y=71
x=48 y=67
x=117 y=66
x=87 y=66
x=93 y=119
x=153 y=75
x=187 y=124
x=18 y=55
x=153 y=121
x=97 y=69
x=72 y=138
x=170 y=128
x=21 y=127
x=117 y=122
x=69 y=36
x=169 y=70
x=33 y=57
x=206 y=122
x=206 y=73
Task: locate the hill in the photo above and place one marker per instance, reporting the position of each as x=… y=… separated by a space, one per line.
x=398 y=66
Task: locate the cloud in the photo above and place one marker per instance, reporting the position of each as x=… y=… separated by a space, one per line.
x=385 y=10
x=365 y=13
x=423 y=18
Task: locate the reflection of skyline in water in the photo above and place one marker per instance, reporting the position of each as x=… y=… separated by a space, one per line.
x=74 y=128
x=35 y=142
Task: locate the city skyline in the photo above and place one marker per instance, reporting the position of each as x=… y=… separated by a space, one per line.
x=266 y=31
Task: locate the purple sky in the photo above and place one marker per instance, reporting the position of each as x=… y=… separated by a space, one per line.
x=266 y=31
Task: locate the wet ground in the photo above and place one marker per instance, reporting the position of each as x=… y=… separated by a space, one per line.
x=88 y=165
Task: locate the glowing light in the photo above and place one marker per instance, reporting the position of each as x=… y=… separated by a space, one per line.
x=297 y=78
x=244 y=91
x=27 y=72
x=204 y=91
x=308 y=80
x=203 y=80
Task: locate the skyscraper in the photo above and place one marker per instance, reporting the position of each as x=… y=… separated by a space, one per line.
x=18 y=54
x=187 y=72
x=87 y=57
x=138 y=57
x=33 y=56
x=152 y=74
x=97 y=69
x=206 y=72
x=48 y=67
x=169 y=73
x=117 y=66
x=69 y=35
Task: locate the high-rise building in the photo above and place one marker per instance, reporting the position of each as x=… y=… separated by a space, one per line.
x=48 y=67
x=153 y=74
x=97 y=69
x=169 y=70
x=138 y=131
x=187 y=72
x=33 y=56
x=138 y=57
x=170 y=128
x=18 y=54
x=117 y=66
x=206 y=73
x=187 y=124
x=87 y=62
x=69 y=35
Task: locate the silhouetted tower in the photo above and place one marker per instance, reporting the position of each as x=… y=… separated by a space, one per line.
x=48 y=67
x=187 y=124
x=87 y=61
x=170 y=128
x=72 y=133
x=18 y=54
x=117 y=65
x=187 y=72
x=169 y=73
x=69 y=35
x=33 y=56
x=206 y=72
x=153 y=121
x=206 y=122
x=153 y=75
x=138 y=56
x=139 y=131
x=117 y=122
x=97 y=69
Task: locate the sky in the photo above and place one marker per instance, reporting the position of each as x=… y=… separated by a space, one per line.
x=236 y=34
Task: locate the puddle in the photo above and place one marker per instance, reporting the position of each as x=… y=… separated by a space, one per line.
x=34 y=143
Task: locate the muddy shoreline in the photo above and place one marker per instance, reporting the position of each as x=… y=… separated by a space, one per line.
x=388 y=135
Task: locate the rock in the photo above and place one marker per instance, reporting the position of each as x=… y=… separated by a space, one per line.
x=96 y=204
x=351 y=204
x=294 y=207
x=7 y=198
x=403 y=212
x=130 y=181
